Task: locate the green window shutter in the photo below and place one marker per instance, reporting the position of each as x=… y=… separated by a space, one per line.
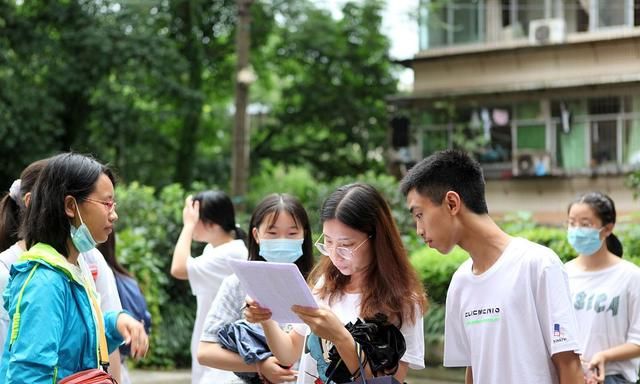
x=531 y=135
x=572 y=146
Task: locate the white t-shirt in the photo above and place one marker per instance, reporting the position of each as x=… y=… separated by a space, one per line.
x=347 y=308
x=507 y=322
x=607 y=305
x=205 y=275
x=7 y=257
x=105 y=281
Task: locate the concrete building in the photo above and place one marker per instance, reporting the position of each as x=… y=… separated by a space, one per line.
x=545 y=93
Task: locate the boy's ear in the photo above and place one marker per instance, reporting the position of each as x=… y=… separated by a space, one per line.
x=453 y=202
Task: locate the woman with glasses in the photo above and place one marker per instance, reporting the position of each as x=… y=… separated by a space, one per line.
x=279 y=232
x=92 y=263
x=605 y=291
x=56 y=322
x=208 y=217
x=366 y=272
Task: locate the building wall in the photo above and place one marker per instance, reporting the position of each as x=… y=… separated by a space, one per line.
x=548 y=198
x=582 y=61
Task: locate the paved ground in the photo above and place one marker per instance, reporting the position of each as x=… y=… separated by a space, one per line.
x=429 y=376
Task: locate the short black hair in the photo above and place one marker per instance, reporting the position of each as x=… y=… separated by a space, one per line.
x=66 y=174
x=448 y=170
x=216 y=207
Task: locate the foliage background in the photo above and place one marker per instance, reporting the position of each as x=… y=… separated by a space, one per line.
x=147 y=86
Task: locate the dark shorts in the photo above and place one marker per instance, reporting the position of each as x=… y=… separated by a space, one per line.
x=616 y=379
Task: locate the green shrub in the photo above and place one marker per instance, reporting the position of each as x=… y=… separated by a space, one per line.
x=148 y=227
x=552 y=237
x=436 y=269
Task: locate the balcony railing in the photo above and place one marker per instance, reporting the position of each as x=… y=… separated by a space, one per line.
x=460 y=22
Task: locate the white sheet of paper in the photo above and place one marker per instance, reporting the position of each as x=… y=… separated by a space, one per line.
x=276 y=286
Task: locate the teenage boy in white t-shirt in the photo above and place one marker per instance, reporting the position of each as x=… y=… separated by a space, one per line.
x=509 y=317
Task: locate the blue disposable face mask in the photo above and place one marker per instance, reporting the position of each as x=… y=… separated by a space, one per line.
x=81 y=236
x=281 y=250
x=586 y=241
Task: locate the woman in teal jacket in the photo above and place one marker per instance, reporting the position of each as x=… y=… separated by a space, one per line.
x=55 y=318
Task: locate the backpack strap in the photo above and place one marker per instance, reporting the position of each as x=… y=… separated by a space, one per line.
x=15 y=323
x=103 y=351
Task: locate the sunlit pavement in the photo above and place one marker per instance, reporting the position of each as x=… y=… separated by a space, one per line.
x=184 y=377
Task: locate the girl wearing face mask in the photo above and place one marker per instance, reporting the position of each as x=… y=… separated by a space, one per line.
x=208 y=217
x=57 y=327
x=605 y=291
x=12 y=210
x=280 y=232
x=365 y=272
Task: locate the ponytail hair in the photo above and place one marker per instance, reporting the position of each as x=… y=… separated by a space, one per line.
x=9 y=221
x=614 y=245
x=604 y=208
x=12 y=205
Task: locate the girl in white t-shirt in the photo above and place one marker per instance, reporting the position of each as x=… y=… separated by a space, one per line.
x=366 y=272
x=605 y=291
x=208 y=217
x=279 y=232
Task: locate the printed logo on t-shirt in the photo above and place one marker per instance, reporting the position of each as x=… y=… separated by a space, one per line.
x=558 y=335
x=597 y=302
x=482 y=315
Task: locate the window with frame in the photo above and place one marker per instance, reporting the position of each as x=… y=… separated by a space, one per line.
x=444 y=23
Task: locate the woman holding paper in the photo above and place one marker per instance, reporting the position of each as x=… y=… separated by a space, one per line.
x=366 y=272
x=280 y=232
x=208 y=217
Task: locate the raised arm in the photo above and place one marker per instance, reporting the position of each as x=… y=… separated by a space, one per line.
x=182 y=251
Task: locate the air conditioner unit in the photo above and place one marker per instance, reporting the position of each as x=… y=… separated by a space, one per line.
x=531 y=163
x=547 y=31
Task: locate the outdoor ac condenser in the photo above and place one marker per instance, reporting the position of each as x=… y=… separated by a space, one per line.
x=547 y=31
x=531 y=163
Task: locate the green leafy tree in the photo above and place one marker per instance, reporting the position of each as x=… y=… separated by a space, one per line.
x=333 y=76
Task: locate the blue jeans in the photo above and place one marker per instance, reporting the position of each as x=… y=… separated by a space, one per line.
x=616 y=379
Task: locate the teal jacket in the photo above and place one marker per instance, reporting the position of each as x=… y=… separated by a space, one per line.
x=52 y=331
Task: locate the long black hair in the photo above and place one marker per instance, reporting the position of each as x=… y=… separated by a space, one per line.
x=216 y=207
x=12 y=205
x=67 y=174
x=604 y=208
x=275 y=204
x=108 y=250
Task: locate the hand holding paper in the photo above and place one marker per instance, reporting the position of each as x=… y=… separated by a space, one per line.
x=275 y=286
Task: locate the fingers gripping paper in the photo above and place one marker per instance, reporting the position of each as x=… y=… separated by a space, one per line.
x=276 y=286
